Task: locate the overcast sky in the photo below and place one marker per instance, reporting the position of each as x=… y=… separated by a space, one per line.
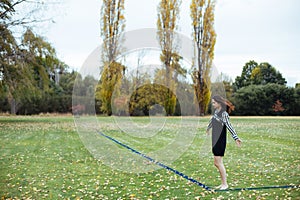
x=260 y=30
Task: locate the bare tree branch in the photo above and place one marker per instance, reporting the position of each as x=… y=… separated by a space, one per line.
x=10 y=8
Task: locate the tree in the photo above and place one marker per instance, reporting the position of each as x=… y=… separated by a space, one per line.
x=23 y=13
x=20 y=67
x=260 y=99
x=250 y=100
x=27 y=70
x=295 y=106
x=41 y=56
x=17 y=80
x=6 y=10
x=258 y=74
x=223 y=86
x=244 y=79
x=146 y=97
x=67 y=81
x=109 y=84
x=277 y=106
x=265 y=73
x=137 y=78
x=112 y=27
x=202 y=14
x=168 y=13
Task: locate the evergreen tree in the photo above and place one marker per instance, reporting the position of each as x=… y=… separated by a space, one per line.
x=244 y=79
x=258 y=74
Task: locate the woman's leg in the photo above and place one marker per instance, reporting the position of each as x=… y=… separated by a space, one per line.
x=218 y=161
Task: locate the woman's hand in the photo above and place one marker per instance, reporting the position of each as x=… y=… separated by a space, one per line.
x=207 y=132
x=238 y=142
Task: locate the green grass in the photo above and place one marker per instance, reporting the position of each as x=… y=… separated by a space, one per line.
x=44 y=158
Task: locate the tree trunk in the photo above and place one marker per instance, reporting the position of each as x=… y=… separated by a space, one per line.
x=13 y=106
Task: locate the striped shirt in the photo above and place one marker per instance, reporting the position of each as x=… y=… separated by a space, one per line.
x=225 y=121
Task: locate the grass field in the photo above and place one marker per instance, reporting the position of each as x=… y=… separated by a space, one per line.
x=42 y=157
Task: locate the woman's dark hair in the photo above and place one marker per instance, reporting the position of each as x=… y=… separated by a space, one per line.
x=226 y=105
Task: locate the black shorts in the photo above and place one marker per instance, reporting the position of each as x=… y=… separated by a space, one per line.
x=219 y=145
x=219 y=149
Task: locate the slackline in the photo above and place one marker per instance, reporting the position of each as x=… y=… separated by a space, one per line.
x=259 y=188
x=189 y=178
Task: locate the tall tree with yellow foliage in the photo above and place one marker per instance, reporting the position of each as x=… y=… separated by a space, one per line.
x=112 y=28
x=204 y=35
x=168 y=14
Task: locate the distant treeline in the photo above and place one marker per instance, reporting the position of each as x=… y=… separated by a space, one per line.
x=249 y=98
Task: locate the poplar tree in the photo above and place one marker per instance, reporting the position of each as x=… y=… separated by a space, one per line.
x=112 y=26
x=202 y=15
x=168 y=14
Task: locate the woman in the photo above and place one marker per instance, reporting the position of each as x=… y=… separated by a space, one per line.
x=219 y=122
